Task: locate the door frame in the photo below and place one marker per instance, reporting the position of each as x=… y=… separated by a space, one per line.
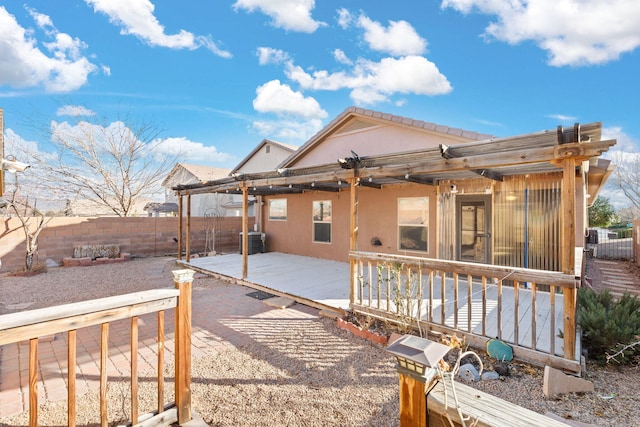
x=486 y=199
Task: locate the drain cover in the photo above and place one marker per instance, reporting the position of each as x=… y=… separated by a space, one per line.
x=260 y=295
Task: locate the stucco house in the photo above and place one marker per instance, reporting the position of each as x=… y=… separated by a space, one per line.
x=381 y=191
x=210 y=204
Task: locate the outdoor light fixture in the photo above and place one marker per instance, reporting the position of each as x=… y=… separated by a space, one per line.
x=417 y=368
x=10 y=164
x=339 y=182
x=417 y=357
x=406 y=176
x=370 y=179
x=313 y=184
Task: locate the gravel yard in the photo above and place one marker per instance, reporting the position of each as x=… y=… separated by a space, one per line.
x=298 y=371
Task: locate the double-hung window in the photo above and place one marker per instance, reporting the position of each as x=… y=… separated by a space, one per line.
x=322 y=221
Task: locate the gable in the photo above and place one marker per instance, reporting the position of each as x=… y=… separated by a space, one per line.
x=370 y=138
x=266 y=156
x=372 y=133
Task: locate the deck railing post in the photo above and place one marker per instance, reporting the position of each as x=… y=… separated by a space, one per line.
x=183 y=280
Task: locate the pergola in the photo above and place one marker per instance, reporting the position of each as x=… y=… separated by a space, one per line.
x=495 y=158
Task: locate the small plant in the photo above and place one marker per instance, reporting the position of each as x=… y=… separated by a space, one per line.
x=608 y=325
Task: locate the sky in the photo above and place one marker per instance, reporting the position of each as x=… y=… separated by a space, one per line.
x=220 y=76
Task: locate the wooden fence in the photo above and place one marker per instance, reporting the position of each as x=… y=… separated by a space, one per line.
x=30 y=325
x=533 y=310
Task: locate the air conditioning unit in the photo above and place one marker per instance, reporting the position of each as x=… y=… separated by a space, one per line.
x=256 y=242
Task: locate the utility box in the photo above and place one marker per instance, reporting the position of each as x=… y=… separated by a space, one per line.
x=256 y=242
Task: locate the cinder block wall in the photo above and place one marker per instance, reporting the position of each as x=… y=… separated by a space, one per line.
x=139 y=236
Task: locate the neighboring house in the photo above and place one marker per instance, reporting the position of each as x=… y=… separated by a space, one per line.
x=265 y=157
x=201 y=204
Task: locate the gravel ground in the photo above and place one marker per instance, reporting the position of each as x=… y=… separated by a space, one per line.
x=311 y=374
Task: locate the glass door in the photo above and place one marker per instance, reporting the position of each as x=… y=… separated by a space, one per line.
x=474 y=228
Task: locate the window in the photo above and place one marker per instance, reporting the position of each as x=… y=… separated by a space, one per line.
x=322 y=221
x=413 y=224
x=278 y=210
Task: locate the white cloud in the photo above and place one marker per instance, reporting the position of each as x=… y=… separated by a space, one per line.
x=624 y=143
x=398 y=39
x=288 y=130
x=371 y=82
x=136 y=18
x=562 y=117
x=341 y=57
x=190 y=151
x=22 y=64
x=572 y=32
x=275 y=97
x=268 y=55
x=344 y=18
x=74 y=111
x=293 y=15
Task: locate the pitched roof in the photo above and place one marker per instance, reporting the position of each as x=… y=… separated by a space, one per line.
x=287 y=147
x=349 y=120
x=201 y=173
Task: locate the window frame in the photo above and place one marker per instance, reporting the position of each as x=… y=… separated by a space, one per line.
x=315 y=222
x=277 y=218
x=425 y=225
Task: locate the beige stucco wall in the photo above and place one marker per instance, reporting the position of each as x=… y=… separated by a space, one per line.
x=378 y=218
x=374 y=140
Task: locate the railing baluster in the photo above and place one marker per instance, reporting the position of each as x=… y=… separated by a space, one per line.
x=134 y=369
x=534 y=289
x=160 y=361
x=378 y=290
x=469 y=301
x=33 y=382
x=552 y=319
x=516 y=311
x=431 y=276
x=104 y=350
x=455 y=300
x=500 y=309
x=443 y=290
x=484 y=306
x=71 y=377
x=370 y=281
x=388 y=269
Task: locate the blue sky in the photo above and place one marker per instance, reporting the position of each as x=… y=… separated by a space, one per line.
x=219 y=76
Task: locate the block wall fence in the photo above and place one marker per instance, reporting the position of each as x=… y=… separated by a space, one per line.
x=139 y=236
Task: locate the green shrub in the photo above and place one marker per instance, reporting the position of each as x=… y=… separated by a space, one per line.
x=608 y=325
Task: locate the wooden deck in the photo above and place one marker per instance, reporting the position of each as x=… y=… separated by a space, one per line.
x=317 y=282
x=325 y=284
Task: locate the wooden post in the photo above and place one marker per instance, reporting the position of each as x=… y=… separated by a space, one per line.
x=71 y=369
x=33 y=380
x=188 y=236
x=245 y=231
x=413 y=402
x=568 y=254
x=353 y=232
x=183 y=281
x=179 y=226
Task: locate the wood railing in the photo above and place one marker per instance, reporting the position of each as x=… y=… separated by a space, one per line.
x=532 y=310
x=32 y=324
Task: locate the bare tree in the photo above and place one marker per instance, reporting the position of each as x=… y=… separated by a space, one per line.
x=105 y=164
x=626 y=176
x=28 y=217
